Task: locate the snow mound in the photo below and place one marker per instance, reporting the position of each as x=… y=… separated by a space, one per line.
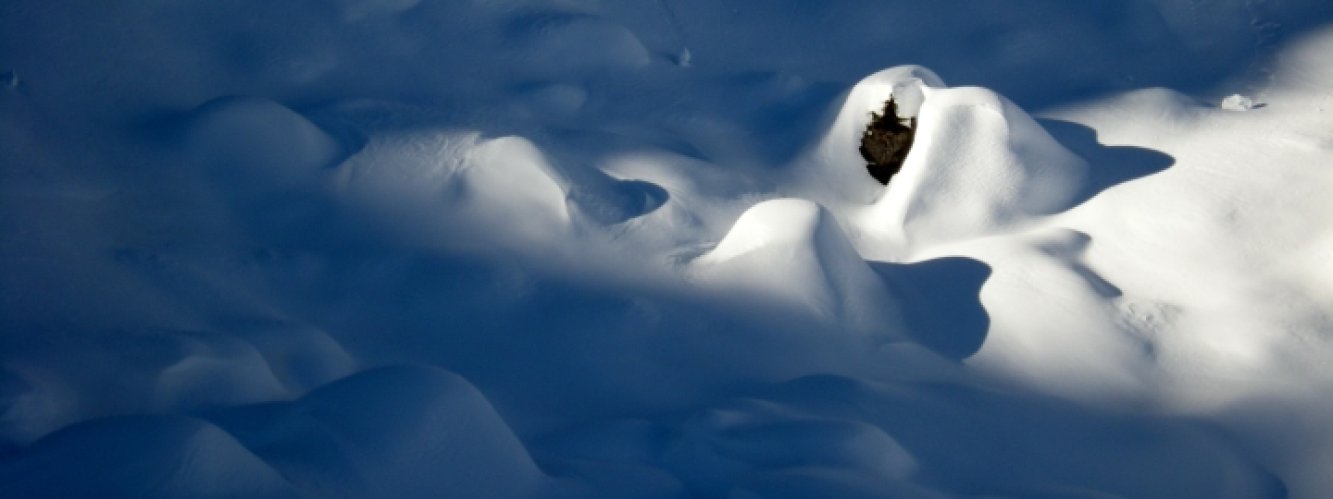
x=455 y=189
x=300 y=358
x=152 y=372
x=641 y=235
x=554 y=43
x=979 y=165
x=253 y=143
x=414 y=431
x=834 y=164
x=215 y=370
x=265 y=160
x=140 y=456
x=389 y=432
x=750 y=444
x=792 y=253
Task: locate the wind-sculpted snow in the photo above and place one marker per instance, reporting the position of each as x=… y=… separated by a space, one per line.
x=792 y=252
x=981 y=165
x=141 y=456
x=403 y=432
x=831 y=165
x=534 y=248
x=419 y=185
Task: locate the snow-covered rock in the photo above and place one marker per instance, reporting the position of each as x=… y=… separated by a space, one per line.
x=979 y=165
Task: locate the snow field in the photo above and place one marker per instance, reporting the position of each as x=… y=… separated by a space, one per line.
x=522 y=249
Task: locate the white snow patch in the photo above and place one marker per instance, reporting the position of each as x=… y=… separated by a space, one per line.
x=793 y=251
x=1237 y=102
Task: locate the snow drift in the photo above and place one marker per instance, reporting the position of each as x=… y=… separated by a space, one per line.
x=627 y=249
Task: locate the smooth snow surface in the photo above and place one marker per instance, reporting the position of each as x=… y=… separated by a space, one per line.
x=584 y=248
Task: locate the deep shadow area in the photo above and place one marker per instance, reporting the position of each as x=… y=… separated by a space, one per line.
x=941 y=302
x=1108 y=166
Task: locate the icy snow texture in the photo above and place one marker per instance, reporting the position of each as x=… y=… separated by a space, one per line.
x=534 y=248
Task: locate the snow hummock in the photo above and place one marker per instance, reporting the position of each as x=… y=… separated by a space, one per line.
x=793 y=250
x=536 y=248
x=979 y=164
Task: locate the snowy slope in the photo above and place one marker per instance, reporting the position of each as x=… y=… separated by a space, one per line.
x=541 y=248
